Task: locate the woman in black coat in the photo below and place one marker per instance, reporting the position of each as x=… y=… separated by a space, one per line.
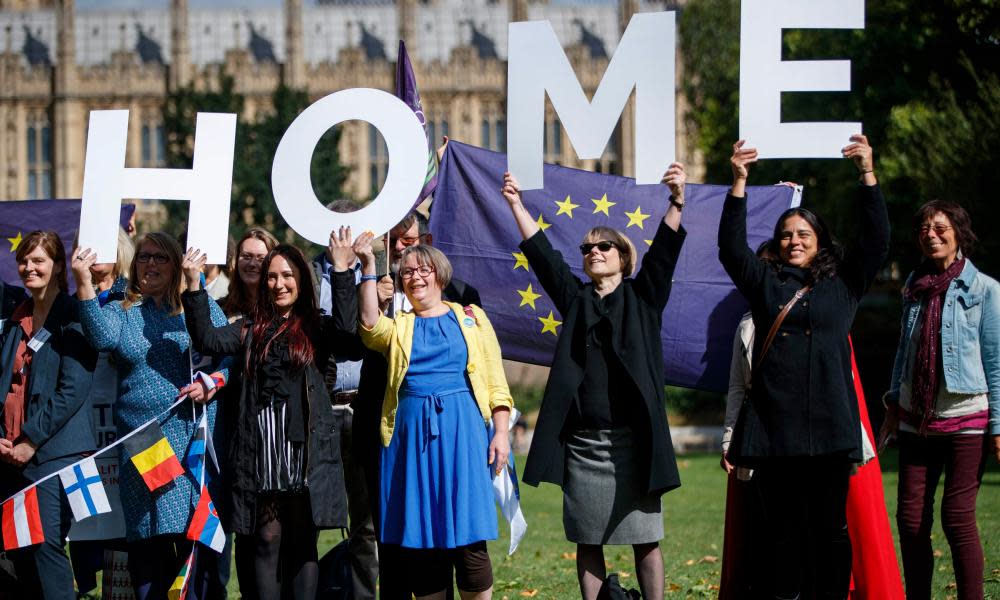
x=47 y=366
x=602 y=431
x=282 y=460
x=800 y=428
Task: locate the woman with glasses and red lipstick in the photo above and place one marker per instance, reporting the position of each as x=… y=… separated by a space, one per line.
x=944 y=398
x=445 y=381
x=801 y=429
x=602 y=430
x=285 y=482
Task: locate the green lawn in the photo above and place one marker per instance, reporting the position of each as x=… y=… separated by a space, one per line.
x=543 y=566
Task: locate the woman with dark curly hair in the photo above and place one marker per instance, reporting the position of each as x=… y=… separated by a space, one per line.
x=944 y=397
x=800 y=426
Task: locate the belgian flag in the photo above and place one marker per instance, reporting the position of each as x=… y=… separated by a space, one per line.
x=153 y=457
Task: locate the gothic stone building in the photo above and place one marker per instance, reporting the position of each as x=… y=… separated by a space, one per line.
x=60 y=61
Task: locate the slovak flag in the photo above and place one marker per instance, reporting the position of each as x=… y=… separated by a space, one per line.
x=205 y=525
x=84 y=489
x=22 y=526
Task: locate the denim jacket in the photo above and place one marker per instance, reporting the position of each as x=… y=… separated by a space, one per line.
x=970 y=339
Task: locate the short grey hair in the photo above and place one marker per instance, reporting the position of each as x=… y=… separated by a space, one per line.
x=430 y=256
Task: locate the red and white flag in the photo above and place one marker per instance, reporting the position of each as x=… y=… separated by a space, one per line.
x=21 y=524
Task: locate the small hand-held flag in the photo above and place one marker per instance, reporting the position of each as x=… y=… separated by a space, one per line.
x=205 y=525
x=406 y=90
x=84 y=489
x=22 y=525
x=153 y=456
x=178 y=590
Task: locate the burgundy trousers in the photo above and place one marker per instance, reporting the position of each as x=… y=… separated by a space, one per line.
x=962 y=459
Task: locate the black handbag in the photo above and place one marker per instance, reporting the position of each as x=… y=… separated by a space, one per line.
x=749 y=427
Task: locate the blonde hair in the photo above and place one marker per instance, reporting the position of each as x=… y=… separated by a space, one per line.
x=430 y=256
x=126 y=252
x=626 y=249
x=172 y=249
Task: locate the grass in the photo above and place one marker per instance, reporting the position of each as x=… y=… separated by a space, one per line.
x=544 y=567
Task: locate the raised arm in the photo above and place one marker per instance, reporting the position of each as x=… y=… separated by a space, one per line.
x=511 y=191
x=368 y=307
x=742 y=265
x=206 y=337
x=548 y=263
x=652 y=282
x=868 y=254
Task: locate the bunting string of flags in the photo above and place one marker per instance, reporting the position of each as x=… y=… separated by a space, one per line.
x=81 y=481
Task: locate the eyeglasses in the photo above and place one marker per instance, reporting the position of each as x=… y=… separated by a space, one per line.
x=938 y=229
x=603 y=246
x=423 y=271
x=254 y=258
x=410 y=240
x=145 y=257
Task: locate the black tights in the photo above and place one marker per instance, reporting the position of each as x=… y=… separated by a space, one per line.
x=285 y=547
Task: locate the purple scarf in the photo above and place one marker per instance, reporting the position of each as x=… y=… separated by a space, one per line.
x=929 y=288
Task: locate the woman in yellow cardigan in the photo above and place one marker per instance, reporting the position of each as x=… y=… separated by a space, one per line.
x=445 y=381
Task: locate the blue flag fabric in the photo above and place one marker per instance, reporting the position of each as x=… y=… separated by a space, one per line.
x=406 y=90
x=19 y=218
x=472 y=224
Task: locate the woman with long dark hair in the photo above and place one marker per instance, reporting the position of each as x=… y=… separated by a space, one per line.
x=47 y=367
x=145 y=334
x=800 y=426
x=944 y=398
x=283 y=454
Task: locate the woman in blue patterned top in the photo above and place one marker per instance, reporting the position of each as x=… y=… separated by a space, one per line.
x=148 y=339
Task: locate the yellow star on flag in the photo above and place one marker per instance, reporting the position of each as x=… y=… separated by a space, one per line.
x=636 y=217
x=522 y=260
x=602 y=205
x=566 y=207
x=528 y=296
x=542 y=224
x=15 y=242
x=648 y=242
x=549 y=324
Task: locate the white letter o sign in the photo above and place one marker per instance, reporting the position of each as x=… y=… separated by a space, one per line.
x=407 y=145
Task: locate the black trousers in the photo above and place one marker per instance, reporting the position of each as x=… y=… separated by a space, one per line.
x=807 y=547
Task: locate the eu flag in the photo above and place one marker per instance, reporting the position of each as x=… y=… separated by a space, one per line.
x=472 y=224
x=19 y=218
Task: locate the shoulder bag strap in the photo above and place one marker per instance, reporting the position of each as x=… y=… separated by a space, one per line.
x=774 y=328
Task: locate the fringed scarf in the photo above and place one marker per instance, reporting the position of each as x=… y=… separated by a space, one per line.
x=929 y=288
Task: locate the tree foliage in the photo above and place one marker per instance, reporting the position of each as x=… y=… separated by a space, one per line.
x=256 y=142
x=924 y=83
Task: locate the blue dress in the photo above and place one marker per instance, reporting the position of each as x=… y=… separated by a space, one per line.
x=436 y=490
x=150 y=350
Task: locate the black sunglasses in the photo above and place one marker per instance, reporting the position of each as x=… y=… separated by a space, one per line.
x=603 y=246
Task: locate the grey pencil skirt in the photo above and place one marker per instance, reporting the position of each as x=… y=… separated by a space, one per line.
x=604 y=493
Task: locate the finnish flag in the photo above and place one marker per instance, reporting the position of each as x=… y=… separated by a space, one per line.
x=84 y=489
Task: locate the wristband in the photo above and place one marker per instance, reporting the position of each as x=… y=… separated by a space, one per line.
x=868 y=171
x=365 y=278
x=679 y=205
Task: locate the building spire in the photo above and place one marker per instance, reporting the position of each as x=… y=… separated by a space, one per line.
x=180 y=48
x=294 y=71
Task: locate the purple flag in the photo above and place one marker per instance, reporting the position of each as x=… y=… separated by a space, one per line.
x=471 y=222
x=19 y=218
x=406 y=90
